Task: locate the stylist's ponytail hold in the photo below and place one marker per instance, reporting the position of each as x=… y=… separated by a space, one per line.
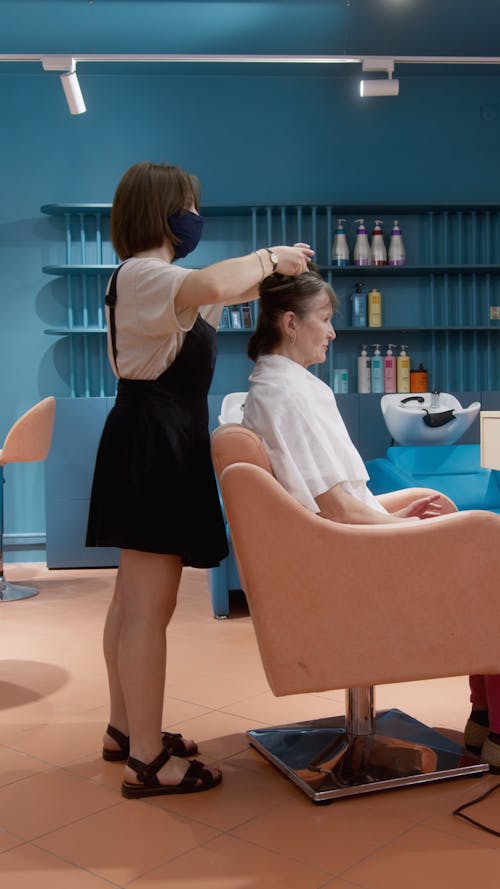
x=279 y=294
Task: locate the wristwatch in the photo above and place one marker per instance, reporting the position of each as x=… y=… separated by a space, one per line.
x=274 y=259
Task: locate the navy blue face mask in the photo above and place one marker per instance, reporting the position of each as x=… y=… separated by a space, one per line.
x=186 y=226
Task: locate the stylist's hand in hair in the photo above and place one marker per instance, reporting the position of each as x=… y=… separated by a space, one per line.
x=293 y=260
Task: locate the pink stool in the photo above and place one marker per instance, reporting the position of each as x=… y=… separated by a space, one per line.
x=27 y=441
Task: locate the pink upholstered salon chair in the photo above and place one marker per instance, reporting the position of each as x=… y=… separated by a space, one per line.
x=351 y=606
x=27 y=441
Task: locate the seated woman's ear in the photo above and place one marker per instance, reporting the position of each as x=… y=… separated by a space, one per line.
x=289 y=325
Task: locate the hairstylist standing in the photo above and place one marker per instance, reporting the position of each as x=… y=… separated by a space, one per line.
x=154 y=494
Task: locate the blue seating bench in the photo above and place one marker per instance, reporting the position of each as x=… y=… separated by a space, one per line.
x=454 y=470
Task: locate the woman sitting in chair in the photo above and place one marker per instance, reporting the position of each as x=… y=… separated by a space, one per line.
x=296 y=414
x=310 y=450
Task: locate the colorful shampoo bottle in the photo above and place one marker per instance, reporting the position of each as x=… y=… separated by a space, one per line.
x=362 y=254
x=377 y=370
x=403 y=371
x=340 y=248
x=390 y=370
x=374 y=308
x=364 y=374
x=377 y=248
x=418 y=379
x=358 y=306
x=397 y=253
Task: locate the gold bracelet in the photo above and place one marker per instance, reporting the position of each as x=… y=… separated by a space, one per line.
x=261 y=265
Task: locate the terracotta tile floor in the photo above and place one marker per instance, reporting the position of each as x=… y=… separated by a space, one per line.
x=65 y=825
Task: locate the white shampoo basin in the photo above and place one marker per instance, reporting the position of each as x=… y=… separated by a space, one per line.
x=410 y=419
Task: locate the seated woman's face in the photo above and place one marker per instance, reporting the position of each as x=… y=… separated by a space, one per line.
x=314 y=331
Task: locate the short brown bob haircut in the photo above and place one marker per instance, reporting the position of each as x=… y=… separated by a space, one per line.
x=146 y=194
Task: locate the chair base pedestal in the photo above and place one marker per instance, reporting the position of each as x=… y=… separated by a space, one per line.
x=10 y=592
x=327 y=763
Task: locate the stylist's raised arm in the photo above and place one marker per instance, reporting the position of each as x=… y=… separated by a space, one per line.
x=237 y=280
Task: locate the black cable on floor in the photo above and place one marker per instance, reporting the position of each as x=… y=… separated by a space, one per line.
x=460 y=810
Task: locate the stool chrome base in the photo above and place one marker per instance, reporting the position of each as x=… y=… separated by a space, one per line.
x=328 y=763
x=10 y=592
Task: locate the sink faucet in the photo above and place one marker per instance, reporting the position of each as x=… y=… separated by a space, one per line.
x=435 y=399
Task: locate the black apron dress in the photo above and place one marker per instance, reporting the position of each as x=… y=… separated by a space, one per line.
x=154 y=487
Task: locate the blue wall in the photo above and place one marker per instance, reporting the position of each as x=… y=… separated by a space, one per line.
x=266 y=136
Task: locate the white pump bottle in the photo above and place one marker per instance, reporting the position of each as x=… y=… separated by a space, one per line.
x=403 y=370
x=390 y=370
x=378 y=249
x=340 y=248
x=377 y=370
x=361 y=245
x=364 y=372
x=397 y=253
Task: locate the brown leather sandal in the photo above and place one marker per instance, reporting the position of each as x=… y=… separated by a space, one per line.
x=174 y=742
x=197 y=778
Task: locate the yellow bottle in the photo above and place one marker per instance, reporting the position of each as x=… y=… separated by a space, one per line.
x=374 y=308
x=403 y=371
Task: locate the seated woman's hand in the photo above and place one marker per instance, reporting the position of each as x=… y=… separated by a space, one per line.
x=422 y=508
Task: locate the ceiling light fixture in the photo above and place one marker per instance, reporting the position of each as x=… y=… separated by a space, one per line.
x=374 y=87
x=378 y=86
x=69 y=80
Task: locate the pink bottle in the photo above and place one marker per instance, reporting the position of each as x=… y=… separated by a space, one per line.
x=390 y=370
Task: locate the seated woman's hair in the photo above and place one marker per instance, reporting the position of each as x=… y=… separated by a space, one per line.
x=280 y=294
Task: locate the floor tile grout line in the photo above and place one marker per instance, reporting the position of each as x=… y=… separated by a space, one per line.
x=218 y=707
x=376 y=851
x=450 y=832
x=227 y=712
x=349 y=883
x=22 y=842
x=410 y=828
x=73 y=821
x=222 y=830
x=69 y=766
x=216 y=710
x=228 y=832
x=180 y=854
x=289 y=858
x=78 y=866
x=25 y=753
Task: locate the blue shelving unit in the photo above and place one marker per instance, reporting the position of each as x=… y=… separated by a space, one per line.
x=441 y=304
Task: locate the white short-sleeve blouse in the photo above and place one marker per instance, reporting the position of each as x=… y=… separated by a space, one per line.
x=149 y=329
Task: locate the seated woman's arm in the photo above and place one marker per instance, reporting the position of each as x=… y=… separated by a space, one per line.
x=338 y=505
x=394 y=501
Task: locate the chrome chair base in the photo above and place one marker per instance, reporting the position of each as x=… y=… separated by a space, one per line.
x=10 y=592
x=328 y=763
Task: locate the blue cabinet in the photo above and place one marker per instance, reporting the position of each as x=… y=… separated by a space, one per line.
x=68 y=481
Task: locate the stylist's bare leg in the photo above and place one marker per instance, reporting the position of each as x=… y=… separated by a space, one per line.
x=112 y=630
x=111 y=638
x=148 y=585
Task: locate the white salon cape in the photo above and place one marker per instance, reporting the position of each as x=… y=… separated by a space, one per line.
x=309 y=447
